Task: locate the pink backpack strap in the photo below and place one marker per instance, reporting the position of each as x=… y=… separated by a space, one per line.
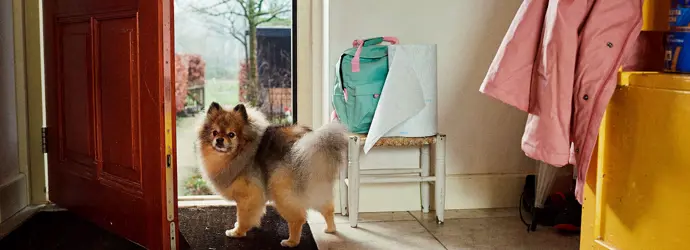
x=359 y=43
x=391 y=39
x=355 y=61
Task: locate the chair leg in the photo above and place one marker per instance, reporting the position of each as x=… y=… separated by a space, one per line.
x=424 y=163
x=353 y=180
x=440 y=174
x=343 y=188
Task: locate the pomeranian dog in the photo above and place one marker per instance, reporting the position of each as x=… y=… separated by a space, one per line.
x=250 y=161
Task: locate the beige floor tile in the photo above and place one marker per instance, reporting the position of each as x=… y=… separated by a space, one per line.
x=315 y=217
x=497 y=233
x=376 y=235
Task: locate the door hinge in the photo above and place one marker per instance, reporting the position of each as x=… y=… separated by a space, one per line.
x=173 y=232
x=44 y=140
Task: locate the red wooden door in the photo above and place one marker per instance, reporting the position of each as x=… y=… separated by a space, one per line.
x=110 y=125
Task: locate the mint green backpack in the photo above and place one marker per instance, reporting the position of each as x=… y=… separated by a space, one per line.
x=360 y=74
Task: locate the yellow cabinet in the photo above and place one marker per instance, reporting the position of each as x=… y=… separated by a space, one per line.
x=637 y=194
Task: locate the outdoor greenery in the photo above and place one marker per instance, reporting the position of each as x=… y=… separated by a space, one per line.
x=250 y=14
x=196 y=185
x=217 y=47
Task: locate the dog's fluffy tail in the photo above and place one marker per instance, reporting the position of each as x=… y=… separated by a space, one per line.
x=322 y=152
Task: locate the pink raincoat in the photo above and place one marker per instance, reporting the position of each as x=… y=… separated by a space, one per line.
x=559 y=62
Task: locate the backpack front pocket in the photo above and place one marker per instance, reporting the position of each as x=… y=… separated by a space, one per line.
x=365 y=99
x=340 y=105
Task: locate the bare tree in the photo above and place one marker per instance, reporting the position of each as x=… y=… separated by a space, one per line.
x=252 y=13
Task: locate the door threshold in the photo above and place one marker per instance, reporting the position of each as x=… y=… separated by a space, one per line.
x=204 y=201
x=199 y=197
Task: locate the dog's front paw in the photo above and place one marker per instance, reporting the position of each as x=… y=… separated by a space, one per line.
x=289 y=243
x=255 y=225
x=329 y=230
x=234 y=233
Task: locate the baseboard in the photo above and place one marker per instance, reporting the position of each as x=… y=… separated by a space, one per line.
x=13 y=196
x=471 y=191
x=474 y=191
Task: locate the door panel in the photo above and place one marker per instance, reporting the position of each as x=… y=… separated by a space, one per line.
x=119 y=101
x=78 y=143
x=107 y=81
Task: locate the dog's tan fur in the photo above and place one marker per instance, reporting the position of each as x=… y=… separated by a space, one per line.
x=281 y=164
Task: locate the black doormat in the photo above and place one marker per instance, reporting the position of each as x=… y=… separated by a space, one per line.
x=200 y=228
x=63 y=230
x=204 y=228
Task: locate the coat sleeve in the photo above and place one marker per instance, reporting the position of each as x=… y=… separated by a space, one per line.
x=510 y=74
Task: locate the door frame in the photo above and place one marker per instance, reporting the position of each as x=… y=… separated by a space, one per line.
x=29 y=94
x=33 y=65
x=309 y=61
x=27 y=23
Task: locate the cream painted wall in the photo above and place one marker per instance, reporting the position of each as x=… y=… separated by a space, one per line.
x=485 y=165
x=13 y=163
x=8 y=108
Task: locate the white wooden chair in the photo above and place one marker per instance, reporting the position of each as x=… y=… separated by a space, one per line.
x=351 y=177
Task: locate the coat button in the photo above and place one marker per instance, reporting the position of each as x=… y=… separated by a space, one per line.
x=586 y=97
x=577 y=150
x=609 y=44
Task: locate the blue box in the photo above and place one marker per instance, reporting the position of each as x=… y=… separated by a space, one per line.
x=676 y=3
x=677 y=55
x=679 y=18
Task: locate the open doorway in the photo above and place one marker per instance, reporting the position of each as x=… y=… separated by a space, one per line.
x=229 y=52
x=107 y=164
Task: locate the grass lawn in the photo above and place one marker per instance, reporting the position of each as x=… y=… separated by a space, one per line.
x=223 y=91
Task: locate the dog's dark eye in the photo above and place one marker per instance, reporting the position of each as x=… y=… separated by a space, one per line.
x=231 y=135
x=215 y=133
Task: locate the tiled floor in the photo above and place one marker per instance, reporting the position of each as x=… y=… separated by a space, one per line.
x=463 y=229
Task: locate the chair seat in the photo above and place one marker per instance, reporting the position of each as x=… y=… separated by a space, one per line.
x=399 y=141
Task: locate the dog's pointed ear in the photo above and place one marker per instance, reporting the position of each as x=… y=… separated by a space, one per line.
x=242 y=110
x=214 y=108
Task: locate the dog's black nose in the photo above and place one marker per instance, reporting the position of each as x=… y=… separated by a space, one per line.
x=219 y=141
